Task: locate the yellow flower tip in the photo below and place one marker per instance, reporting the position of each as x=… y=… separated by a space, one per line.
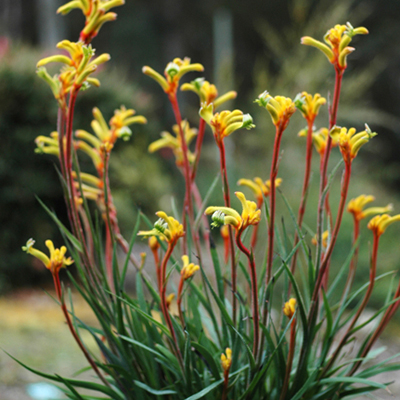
x=380 y=223
x=290 y=308
x=57 y=259
x=153 y=243
x=172 y=231
x=224 y=231
x=250 y=214
x=169 y=299
x=325 y=237
x=308 y=104
x=226 y=359
x=280 y=108
x=188 y=269
x=350 y=142
x=156 y=76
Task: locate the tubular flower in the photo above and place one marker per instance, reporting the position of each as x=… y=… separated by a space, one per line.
x=229 y=216
x=172 y=74
x=166 y=227
x=309 y=105
x=280 y=108
x=188 y=270
x=96 y=13
x=259 y=187
x=350 y=141
x=76 y=71
x=48 y=145
x=106 y=136
x=337 y=40
x=153 y=243
x=225 y=122
x=379 y=223
x=290 y=308
x=325 y=237
x=92 y=187
x=57 y=259
x=207 y=92
x=226 y=359
x=355 y=207
x=175 y=143
x=320 y=139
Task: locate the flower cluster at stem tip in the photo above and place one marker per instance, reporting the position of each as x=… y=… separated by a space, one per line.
x=166 y=227
x=290 y=307
x=96 y=13
x=226 y=359
x=57 y=259
x=175 y=143
x=188 y=269
x=337 y=42
x=172 y=74
x=76 y=71
x=208 y=92
x=229 y=216
x=350 y=142
x=356 y=207
x=225 y=122
x=320 y=139
x=379 y=223
x=260 y=188
x=309 y=105
x=279 y=107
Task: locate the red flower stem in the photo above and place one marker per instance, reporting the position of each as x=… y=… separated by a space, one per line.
x=57 y=285
x=382 y=325
x=254 y=291
x=289 y=362
x=108 y=221
x=179 y=302
x=324 y=166
x=325 y=262
x=199 y=143
x=163 y=297
x=303 y=202
x=61 y=118
x=186 y=167
x=361 y=308
x=227 y=201
x=225 y=389
x=354 y=260
x=273 y=175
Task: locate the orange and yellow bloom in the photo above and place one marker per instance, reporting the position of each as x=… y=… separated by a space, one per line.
x=166 y=227
x=337 y=40
x=356 y=207
x=55 y=261
x=228 y=216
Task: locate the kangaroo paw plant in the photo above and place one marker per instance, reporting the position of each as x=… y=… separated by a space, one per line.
x=248 y=326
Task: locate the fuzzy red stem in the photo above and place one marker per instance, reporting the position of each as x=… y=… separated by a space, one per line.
x=199 y=143
x=227 y=201
x=306 y=182
x=346 y=336
x=289 y=363
x=57 y=285
x=254 y=291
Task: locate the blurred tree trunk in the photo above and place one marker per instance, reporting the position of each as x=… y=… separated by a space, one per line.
x=11 y=18
x=50 y=26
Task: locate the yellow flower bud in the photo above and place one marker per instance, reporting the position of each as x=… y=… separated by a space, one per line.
x=290 y=308
x=226 y=359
